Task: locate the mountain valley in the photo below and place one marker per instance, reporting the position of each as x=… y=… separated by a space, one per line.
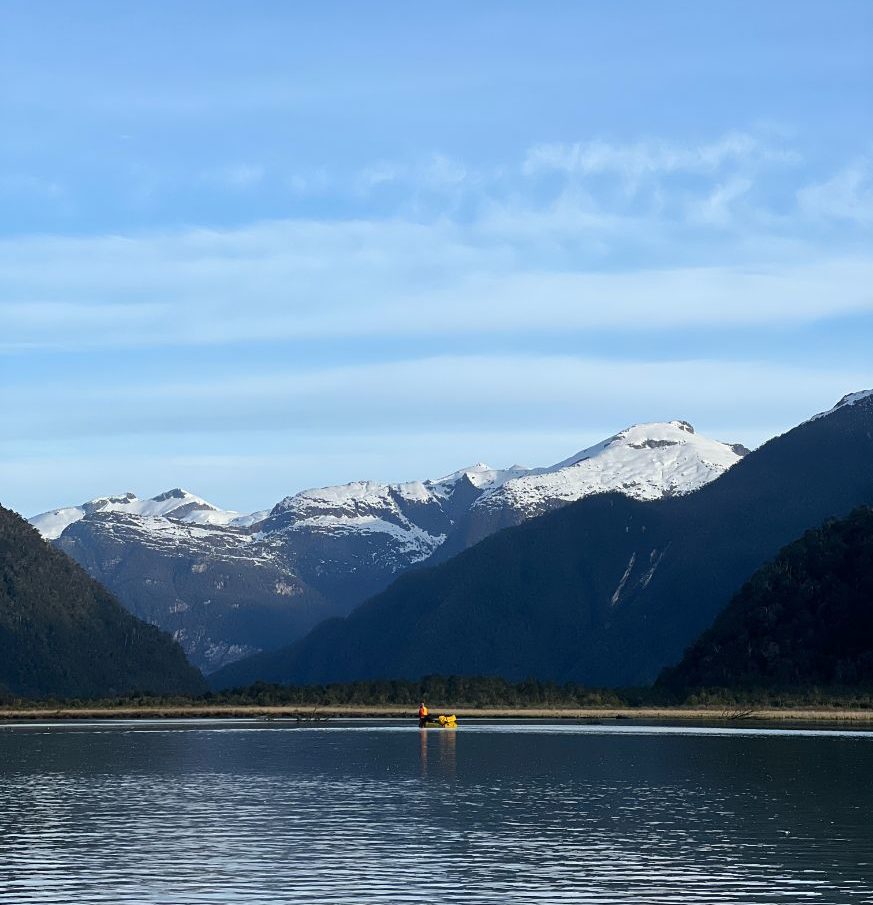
x=605 y=591
x=228 y=585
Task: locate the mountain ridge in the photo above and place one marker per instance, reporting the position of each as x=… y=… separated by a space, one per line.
x=607 y=590
x=227 y=585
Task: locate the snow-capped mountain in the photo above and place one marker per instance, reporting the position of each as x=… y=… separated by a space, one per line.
x=219 y=593
x=849 y=399
x=645 y=462
x=373 y=530
x=178 y=505
x=610 y=590
x=228 y=584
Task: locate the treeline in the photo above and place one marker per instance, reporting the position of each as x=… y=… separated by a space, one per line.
x=489 y=691
x=474 y=692
x=824 y=697
x=468 y=691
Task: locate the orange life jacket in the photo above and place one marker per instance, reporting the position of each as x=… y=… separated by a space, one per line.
x=422 y=712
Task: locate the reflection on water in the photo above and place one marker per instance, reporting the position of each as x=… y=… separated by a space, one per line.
x=446 y=741
x=269 y=813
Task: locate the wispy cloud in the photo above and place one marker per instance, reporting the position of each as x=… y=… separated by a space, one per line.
x=587 y=186
x=470 y=392
x=718 y=208
x=521 y=253
x=340 y=217
x=654 y=156
x=308 y=182
x=845 y=196
x=434 y=172
x=308 y=279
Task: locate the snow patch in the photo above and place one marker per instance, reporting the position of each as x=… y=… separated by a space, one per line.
x=848 y=400
x=411 y=538
x=617 y=594
x=646 y=461
x=178 y=505
x=51 y=525
x=479 y=475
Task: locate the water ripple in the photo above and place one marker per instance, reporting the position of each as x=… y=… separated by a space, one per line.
x=252 y=814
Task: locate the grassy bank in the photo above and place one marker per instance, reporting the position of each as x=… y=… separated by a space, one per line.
x=483 y=697
x=372 y=711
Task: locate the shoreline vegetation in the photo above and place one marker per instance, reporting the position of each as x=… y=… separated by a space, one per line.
x=362 y=711
x=468 y=697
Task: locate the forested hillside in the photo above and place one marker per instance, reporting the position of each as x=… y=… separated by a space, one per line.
x=606 y=591
x=805 y=618
x=62 y=634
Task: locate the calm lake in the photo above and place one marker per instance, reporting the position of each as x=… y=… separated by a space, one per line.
x=246 y=812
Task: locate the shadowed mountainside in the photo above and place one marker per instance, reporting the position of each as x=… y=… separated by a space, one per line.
x=804 y=618
x=228 y=585
x=62 y=634
x=606 y=591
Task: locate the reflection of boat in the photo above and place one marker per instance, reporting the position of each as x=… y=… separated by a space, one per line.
x=439 y=722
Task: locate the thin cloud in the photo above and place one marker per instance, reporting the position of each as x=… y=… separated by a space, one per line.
x=718 y=208
x=296 y=279
x=845 y=196
x=435 y=172
x=653 y=157
x=542 y=391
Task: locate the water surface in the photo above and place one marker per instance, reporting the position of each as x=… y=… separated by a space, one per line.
x=245 y=812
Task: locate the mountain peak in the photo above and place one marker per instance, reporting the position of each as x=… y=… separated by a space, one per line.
x=647 y=435
x=645 y=461
x=852 y=398
x=481 y=476
x=119 y=500
x=177 y=493
x=657 y=427
x=848 y=400
x=177 y=504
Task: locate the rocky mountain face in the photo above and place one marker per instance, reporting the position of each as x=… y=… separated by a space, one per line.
x=229 y=585
x=607 y=590
x=220 y=593
x=63 y=635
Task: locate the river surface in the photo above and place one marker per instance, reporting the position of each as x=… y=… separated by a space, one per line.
x=247 y=812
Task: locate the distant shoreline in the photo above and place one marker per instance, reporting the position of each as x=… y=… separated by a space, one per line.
x=732 y=715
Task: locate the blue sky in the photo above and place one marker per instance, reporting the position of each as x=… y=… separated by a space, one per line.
x=249 y=248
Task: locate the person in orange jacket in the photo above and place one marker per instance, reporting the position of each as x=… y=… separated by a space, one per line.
x=422 y=714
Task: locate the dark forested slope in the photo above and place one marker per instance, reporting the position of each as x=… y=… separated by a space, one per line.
x=62 y=634
x=805 y=618
x=607 y=591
